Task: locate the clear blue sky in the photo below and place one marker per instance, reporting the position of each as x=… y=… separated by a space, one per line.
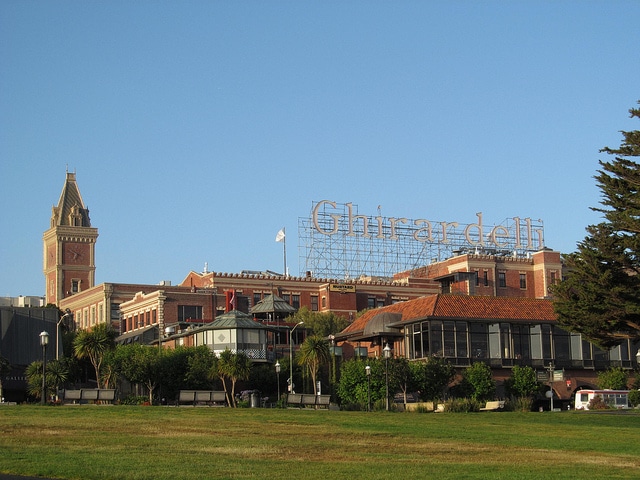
x=198 y=129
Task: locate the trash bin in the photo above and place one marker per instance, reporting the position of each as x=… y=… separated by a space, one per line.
x=255 y=400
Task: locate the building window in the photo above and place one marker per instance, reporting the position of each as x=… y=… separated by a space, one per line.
x=189 y=312
x=380 y=303
x=295 y=301
x=486 y=278
x=523 y=281
x=257 y=297
x=75 y=286
x=286 y=297
x=324 y=302
x=314 y=303
x=502 y=279
x=477 y=278
x=371 y=302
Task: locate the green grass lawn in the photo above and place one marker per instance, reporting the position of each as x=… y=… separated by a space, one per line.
x=121 y=442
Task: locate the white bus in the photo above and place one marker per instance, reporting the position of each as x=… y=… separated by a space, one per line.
x=613 y=398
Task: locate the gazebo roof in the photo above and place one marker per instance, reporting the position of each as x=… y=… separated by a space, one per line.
x=272 y=304
x=234 y=319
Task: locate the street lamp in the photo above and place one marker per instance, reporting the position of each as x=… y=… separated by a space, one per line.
x=367 y=369
x=44 y=341
x=291 y=357
x=278 y=377
x=67 y=313
x=387 y=353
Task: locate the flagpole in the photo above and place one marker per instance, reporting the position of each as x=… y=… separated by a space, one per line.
x=284 y=252
x=282 y=237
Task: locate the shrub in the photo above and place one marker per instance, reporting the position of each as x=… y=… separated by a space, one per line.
x=521 y=404
x=462 y=405
x=634 y=398
x=597 y=403
x=134 y=399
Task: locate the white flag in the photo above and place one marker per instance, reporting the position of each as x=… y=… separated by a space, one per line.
x=280 y=235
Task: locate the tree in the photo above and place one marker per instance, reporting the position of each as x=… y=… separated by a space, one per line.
x=600 y=297
x=93 y=344
x=438 y=373
x=322 y=324
x=141 y=364
x=353 y=387
x=523 y=382
x=233 y=367
x=615 y=378
x=313 y=353
x=407 y=376
x=479 y=378
x=56 y=374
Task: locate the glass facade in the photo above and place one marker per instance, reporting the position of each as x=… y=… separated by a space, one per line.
x=507 y=344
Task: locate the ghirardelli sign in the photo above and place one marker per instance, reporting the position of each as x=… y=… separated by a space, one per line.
x=337 y=241
x=520 y=235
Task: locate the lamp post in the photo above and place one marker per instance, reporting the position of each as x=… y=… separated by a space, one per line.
x=291 y=357
x=367 y=369
x=278 y=378
x=44 y=341
x=387 y=353
x=67 y=313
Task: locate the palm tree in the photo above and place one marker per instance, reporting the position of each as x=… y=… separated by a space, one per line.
x=314 y=352
x=93 y=344
x=233 y=366
x=57 y=374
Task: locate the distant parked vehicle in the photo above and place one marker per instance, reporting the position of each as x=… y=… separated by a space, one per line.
x=612 y=398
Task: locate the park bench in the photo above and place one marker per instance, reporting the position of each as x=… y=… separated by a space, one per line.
x=492 y=406
x=302 y=400
x=89 y=395
x=202 y=397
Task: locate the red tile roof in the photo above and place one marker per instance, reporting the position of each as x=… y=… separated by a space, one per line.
x=456 y=307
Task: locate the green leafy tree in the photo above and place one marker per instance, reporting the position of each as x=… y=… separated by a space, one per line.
x=523 y=382
x=200 y=361
x=600 y=297
x=408 y=376
x=93 y=344
x=615 y=378
x=233 y=367
x=438 y=373
x=353 y=386
x=313 y=353
x=321 y=324
x=142 y=364
x=478 y=376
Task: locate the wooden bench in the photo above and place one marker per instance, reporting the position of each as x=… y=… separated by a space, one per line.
x=302 y=400
x=200 y=397
x=87 y=395
x=492 y=406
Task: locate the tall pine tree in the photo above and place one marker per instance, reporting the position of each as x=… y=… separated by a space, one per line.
x=600 y=297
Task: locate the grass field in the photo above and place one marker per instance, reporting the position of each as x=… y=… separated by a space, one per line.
x=119 y=442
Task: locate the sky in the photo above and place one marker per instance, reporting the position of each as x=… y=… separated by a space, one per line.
x=198 y=129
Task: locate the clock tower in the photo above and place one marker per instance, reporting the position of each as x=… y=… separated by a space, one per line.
x=69 y=246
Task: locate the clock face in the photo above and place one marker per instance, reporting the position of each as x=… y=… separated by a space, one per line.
x=75 y=253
